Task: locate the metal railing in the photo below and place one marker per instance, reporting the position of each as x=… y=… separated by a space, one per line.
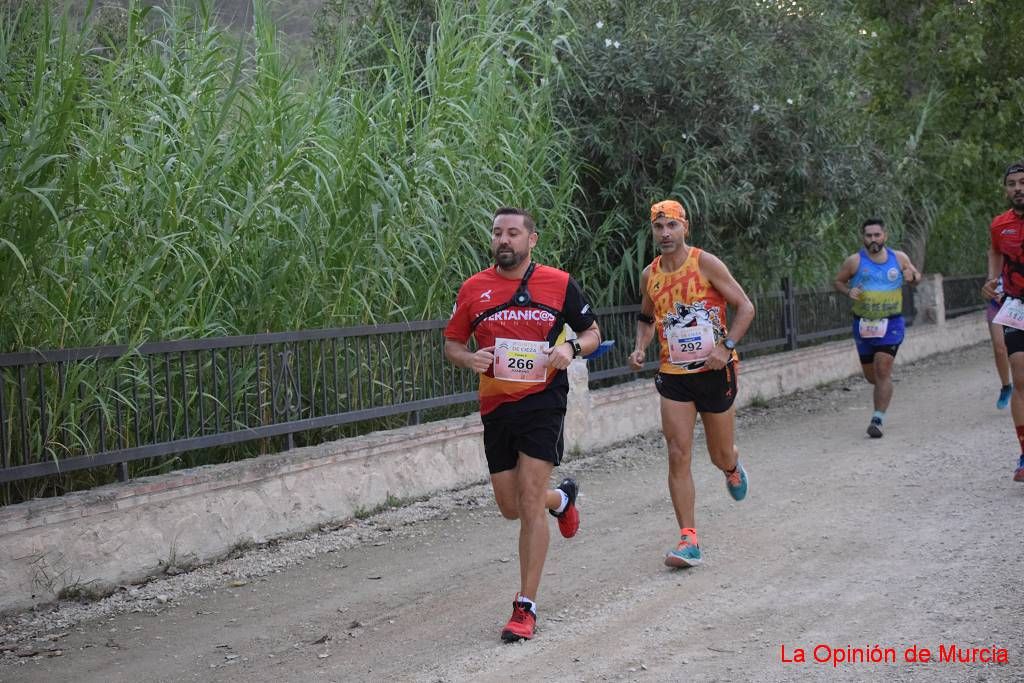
x=786 y=319
x=962 y=294
x=78 y=408
x=66 y=410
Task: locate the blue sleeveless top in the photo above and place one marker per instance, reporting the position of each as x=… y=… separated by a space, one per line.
x=882 y=284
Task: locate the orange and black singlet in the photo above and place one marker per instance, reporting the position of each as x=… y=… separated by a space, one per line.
x=689 y=314
x=555 y=299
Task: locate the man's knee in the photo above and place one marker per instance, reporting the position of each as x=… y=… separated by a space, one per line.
x=508 y=507
x=678 y=448
x=883 y=365
x=721 y=452
x=506 y=494
x=679 y=460
x=532 y=496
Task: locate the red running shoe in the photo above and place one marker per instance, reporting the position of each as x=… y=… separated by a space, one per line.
x=522 y=623
x=569 y=519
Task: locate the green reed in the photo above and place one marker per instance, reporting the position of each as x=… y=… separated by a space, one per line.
x=164 y=178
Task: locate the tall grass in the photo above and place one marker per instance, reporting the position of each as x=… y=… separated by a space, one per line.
x=166 y=179
x=163 y=178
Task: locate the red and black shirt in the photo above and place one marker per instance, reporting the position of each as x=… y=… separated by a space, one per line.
x=552 y=288
x=1007 y=234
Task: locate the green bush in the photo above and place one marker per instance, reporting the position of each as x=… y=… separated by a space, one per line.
x=746 y=113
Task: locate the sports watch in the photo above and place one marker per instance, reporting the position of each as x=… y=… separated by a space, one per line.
x=577 y=350
x=729 y=344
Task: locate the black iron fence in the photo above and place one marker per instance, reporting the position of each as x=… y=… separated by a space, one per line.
x=962 y=294
x=66 y=410
x=78 y=408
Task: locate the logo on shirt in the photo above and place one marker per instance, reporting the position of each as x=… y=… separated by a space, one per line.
x=697 y=313
x=1009 y=231
x=893 y=275
x=522 y=315
x=485 y=296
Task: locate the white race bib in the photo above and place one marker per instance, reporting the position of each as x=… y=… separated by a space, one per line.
x=1011 y=314
x=873 y=329
x=689 y=344
x=516 y=360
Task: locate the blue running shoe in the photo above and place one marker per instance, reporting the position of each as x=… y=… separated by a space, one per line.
x=1018 y=474
x=737 y=482
x=1004 y=397
x=687 y=553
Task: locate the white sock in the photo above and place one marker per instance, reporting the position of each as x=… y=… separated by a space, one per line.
x=523 y=600
x=565 y=502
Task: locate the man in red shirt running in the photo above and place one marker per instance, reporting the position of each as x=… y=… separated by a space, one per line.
x=1006 y=258
x=517 y=311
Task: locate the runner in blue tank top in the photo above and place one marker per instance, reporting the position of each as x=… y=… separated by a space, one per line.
x=874 y=279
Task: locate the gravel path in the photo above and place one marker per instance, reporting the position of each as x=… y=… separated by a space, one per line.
x=844 y=543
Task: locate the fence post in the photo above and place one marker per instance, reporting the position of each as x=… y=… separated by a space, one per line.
x=929 y=300
x=789 y=313
x=577 y=425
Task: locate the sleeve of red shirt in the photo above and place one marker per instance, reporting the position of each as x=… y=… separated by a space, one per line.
x=458 y=328
x=577 y=310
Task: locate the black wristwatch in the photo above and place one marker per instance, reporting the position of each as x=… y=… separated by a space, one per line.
x=729 y=344
x=577 y=350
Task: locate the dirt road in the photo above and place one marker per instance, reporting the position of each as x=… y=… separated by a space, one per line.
x=911 y=541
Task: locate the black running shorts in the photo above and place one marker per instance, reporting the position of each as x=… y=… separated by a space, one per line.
x=1014 y=340
x=713 y=391
x=536 y=433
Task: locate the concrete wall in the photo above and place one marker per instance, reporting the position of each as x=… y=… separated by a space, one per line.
x=122 y=533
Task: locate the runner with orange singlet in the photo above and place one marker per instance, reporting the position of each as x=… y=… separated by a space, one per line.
x=685 y=292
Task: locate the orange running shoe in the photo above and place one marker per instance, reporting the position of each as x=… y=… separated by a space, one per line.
x=569 y=518
x=522 y=623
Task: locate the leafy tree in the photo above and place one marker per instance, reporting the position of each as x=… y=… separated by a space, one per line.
x=945 y=91
x=745 y=111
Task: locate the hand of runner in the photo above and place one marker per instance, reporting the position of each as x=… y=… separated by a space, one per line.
x=482 y=360
x=559 y=356
x=636 y=360
x=855 y=293
x=718 y=358
x=988 y=290
x=911 y=276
